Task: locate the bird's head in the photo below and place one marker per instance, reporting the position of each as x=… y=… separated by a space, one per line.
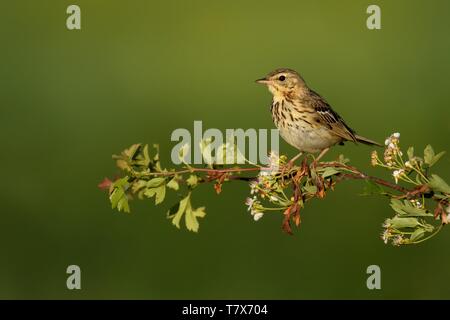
x=282 y=82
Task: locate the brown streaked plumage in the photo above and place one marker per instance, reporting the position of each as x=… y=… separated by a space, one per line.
x=304 y=118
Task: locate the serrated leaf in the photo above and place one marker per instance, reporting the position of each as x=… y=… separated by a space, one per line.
x=118 y=195
x=418 y=179
x=397 y=206
x=329 y=171
x=191 y=217
x=177 y=211
x=150 y=192
x=412 y=211
x=342 y=159
x=183 y=153
x=417 y=234
x=310 y=189
x=131 y=151
x=428 y=154
x=123 y=205
x=400 y=223
x=155 y=182
x=122 y=165
x=206 y=151
x=436 y=158
x=160 y=194
x=115 y=196
x=173 y=184
x=138 y=185
x=410 y=153
x=406 y=209
x=141 y=157
x=192 y=181
x=154 y=164
x=156 y=157
x=372 y=188
x=190 y=220
x=199 y=212
x=438 y=184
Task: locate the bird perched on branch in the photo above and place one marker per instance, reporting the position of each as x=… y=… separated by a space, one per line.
x=305 y=120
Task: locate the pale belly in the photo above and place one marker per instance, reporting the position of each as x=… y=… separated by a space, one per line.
x=308 y=139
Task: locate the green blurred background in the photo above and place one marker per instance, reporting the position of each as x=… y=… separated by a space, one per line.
x=139 y=69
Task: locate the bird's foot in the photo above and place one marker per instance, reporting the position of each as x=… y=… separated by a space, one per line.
x=288 y=166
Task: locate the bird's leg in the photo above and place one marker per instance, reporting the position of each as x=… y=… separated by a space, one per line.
x=291 y=162
x=288 y=166
x=321 y=154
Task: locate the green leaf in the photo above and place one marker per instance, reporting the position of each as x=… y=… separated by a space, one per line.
x=141 y=157
x=155 y=182
x=397 y=205
x=150 y=192
x=131 y=151
x=436 y=158
x=138 y=185
x=428 y=154
x=417 y=234
x=118 y=196
x=400 y=223
x=418 y=179
x=154 y=164
x=123 y=205
x=205 y=149
x=438 y=184
x=412 y=211
x=184 y=207
x=173 y=184
x=410 y=153
x=176 y=212
x=160 y=194
x=310 y=189
x=156 y=157
x=115 y=197
x=183 y=153
x=342 y=159
x=372 y=188
x=406 y=209
x=192 y=181
x=199 y=212
x=191 y=217
x=329 y=171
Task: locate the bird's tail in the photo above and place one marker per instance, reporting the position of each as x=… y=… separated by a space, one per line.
x=367 y=141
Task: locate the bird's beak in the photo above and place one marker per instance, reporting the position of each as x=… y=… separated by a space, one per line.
x=263 y=81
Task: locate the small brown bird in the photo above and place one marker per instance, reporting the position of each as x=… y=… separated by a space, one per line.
x=305 y=120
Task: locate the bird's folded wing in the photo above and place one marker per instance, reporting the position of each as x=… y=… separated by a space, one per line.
x=331 y=119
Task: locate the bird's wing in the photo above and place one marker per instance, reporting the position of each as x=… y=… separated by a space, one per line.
x=330 y=118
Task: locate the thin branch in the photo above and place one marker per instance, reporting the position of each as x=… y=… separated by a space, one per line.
x=356 y=174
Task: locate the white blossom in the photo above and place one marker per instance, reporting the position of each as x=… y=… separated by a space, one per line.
x=397 y=174
x=249 y=202
x=257 y=216
x=397 y=241
x=253 y=187
x=385 y=236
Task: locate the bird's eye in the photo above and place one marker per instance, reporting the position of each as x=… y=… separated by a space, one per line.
x=282 y=78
